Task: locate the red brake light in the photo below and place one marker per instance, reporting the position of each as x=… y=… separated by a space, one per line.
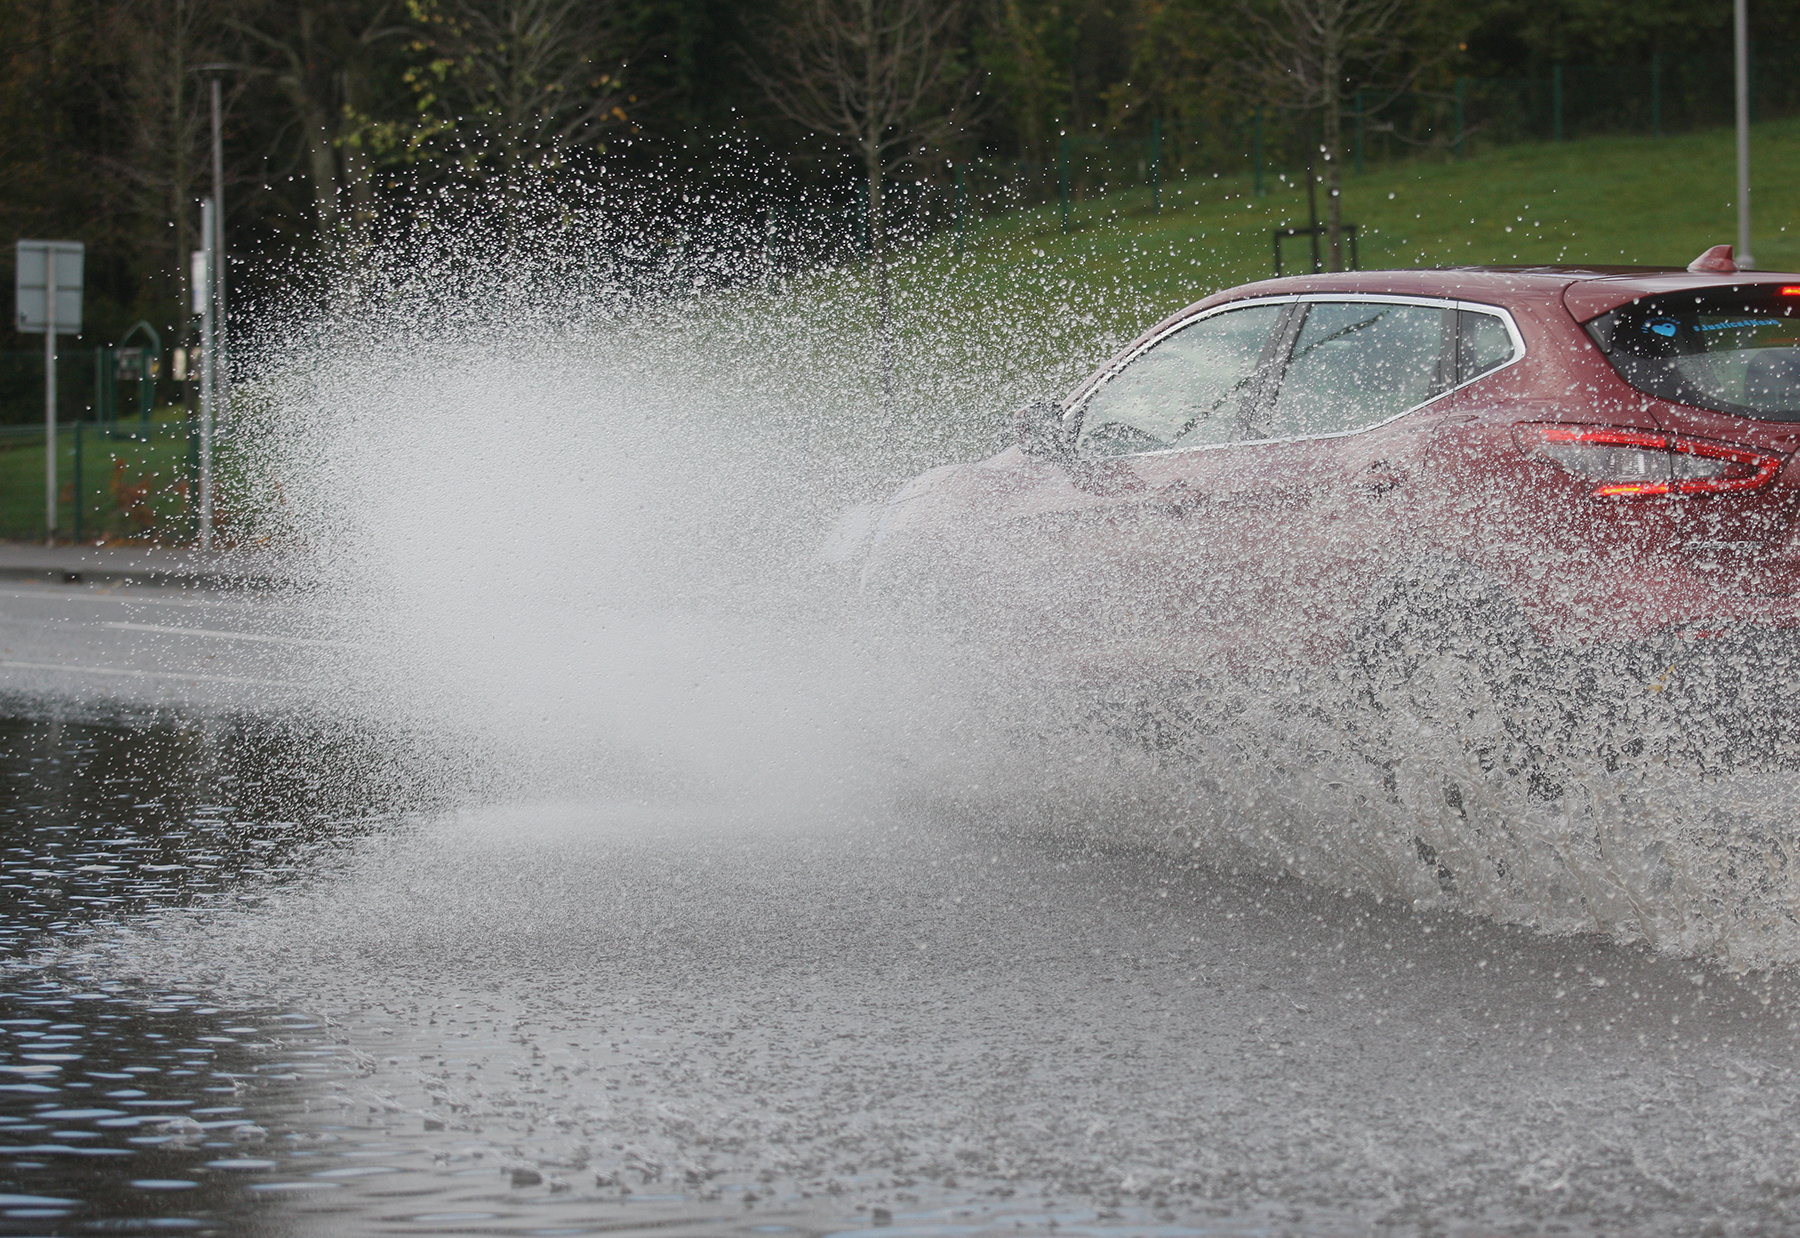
x=1790 y=290
x=1630 y=463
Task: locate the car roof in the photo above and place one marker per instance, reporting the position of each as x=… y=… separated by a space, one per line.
x=1465 y=283
x=1586 y=290
x=1595 y=297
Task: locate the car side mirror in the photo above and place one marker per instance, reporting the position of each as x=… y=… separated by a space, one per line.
x=1041 y=432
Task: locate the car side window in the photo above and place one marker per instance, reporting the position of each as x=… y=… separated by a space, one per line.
x=1186 y=390
x=1482 y=344
x=1354 y=364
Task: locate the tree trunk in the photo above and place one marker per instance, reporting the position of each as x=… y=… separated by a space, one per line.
x=874 y=168
x=884 y=306
x=358 y=175
x=321 y=159
x=180 y=194
x=1331 y=67
x=310 y=97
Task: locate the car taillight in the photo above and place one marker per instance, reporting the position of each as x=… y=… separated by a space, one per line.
x=1640 y=463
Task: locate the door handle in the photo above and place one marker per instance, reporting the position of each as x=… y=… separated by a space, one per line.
x=1382 y=477
x=1179 y=498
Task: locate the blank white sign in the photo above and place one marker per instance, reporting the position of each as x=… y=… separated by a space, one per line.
x=32 y=265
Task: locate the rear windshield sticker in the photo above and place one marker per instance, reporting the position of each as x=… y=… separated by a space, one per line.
x=1723 y=326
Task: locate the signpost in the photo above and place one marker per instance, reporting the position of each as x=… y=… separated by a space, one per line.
x=48 y=299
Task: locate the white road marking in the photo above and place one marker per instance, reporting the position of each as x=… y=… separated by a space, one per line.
x=250 y=636
x=137 y=674
x=75 y=593
x=70 y=593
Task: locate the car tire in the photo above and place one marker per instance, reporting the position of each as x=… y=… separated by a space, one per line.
x=1448 y=687
x=1443 y=662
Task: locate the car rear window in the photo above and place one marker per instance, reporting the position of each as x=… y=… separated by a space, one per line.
x=1734 y=350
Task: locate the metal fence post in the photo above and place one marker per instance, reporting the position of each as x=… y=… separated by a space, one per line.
x=1063 y=182
x=193 y=463
x=1656 y=94
x=1312 y=212
x=78 y=482
x=1156 y=166
x=1259 y=136
x=1462 y=114
x=1556 y=103
x=961 y=208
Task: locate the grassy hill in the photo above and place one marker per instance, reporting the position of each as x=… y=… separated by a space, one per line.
x=1602 y=200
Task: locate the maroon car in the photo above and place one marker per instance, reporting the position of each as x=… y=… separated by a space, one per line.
x=1572 y=484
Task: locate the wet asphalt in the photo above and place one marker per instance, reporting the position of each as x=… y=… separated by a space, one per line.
x=919 y=1016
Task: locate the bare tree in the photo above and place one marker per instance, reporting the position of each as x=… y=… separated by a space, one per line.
x=1311 y=56
x=320 y=55
x=524 y=80
x=161 y=167
x=886 y=78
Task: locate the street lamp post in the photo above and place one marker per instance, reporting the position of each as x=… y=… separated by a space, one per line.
x=209 y=303
x=218 y=274
x=222 y=377
x=1741 y=36
x=206 y=262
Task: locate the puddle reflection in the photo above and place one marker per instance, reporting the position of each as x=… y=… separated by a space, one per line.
x=126 y=1107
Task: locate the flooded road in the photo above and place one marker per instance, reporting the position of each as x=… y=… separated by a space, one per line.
x=122 y=1106
x=968 y=1029
x=255 y=987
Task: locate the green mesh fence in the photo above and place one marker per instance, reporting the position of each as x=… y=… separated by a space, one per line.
x=89 y=386
x=1460 y=116
x=116 y=481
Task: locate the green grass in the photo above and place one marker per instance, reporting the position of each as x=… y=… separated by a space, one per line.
x=1605 y=200
x=1028 y=308
x=129 y=488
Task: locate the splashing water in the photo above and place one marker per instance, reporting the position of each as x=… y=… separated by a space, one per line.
x=578 y=516
x=580 y=523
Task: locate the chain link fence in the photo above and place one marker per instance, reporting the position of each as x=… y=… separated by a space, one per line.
x=92 y=384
